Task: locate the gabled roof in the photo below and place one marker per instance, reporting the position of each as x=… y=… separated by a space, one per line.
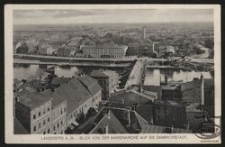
x=59 y=80
x=109 y=120
x=33 y=100
x=98 y=73
x=90 y=83
x=128 y=98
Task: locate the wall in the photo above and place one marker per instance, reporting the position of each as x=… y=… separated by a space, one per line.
x=42 y=120
x=59 y=122
x=23 y=115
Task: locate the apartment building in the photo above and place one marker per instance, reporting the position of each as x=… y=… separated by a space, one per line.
x=104 y=51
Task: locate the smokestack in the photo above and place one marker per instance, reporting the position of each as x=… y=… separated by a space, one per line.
x=106 y=129
x=128 y=119
x=143 y=33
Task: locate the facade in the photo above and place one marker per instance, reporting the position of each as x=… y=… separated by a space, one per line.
x=22 y=48
x=193 y=91
x=51 y=112
x=168 y=113
x=103 y=81
x=63 y=52
x=108 y=80
x=59 y=114
x=104 y=51
x=33 y=110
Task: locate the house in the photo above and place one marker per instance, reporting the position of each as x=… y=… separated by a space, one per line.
x=22 y=48
x=33 y=110
x=104 y=51
x=136 y=101
x=108 y=124
x=82 y=94
x=169 y=113
x=108 y=80
x=52 y=50
x=62 y=51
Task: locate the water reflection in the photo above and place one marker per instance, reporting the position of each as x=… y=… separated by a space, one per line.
x=152 y=77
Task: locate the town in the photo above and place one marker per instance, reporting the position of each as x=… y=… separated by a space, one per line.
x=111 y=79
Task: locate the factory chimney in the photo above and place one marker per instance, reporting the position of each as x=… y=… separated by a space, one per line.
x=143 y=33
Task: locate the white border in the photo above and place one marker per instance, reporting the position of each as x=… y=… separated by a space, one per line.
x=190 y=138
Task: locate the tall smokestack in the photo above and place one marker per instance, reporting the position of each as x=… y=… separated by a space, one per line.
x=143 y=33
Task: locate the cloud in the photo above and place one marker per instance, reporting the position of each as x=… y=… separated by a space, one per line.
x=49 y=13
x=111 y=16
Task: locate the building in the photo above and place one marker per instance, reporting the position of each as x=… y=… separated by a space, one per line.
x=193 y=91
x=168 y=113
x=133 y=50
x=143 y=33
x=136 y=101
x=59 y=113
x=171 y=91
x=33 y=110
x=108 y=80
x=82 y=93
x=51 y=112
x=22 y=48
x=108 y=124
x=64 y=52
x=104 y=51
x=103 y=81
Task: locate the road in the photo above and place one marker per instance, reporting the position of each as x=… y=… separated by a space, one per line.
x=37 y=62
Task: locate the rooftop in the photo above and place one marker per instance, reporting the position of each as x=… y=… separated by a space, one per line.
x=109 y=120
x=33 y=100
x=128 y=98
x=98 y=73
x=90 y=83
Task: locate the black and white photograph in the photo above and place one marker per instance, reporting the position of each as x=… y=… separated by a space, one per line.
x=113 y=73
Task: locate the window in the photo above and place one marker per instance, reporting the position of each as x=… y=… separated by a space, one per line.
x=44 y=132
x=49 y=119
x=43 y=122
x=39 y=114
x=34 y=116
x=34 y=128
x=48 y=109
x=54 y=128
x=61 y=111
x=39 y=125
x=61 y=122
x=57 y=125
x=64 y=109
x=44 y=111
x=48 y=130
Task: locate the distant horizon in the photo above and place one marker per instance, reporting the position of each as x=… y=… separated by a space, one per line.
x=108 y=16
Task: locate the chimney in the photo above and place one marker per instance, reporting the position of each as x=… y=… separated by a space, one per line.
x=106 y=129
x=172 y=129
x=108 y=114
x=143 y=33
x=128 y=118
x=202 y=91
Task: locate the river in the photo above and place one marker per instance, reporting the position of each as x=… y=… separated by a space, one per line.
x=152 y=77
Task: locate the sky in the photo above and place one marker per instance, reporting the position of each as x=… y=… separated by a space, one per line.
x=89 y=16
